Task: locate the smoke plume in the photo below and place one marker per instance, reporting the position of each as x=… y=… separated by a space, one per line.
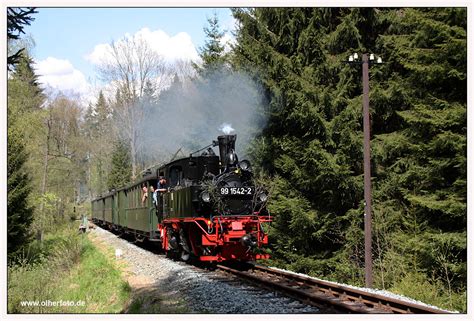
x=192 y=114
x=226 y=128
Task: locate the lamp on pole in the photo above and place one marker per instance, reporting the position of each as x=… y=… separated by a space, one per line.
x=365 y=62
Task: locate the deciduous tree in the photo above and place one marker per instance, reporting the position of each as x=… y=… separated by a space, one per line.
x=131 y=64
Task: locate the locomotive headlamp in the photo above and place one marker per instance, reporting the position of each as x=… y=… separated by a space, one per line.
x=245 y=164
x=248 y=240
x=206 y=197
x=262 y=197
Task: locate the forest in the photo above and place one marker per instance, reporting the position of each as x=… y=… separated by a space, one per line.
x=306 y=137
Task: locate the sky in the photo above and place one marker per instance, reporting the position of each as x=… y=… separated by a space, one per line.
x=70 y=42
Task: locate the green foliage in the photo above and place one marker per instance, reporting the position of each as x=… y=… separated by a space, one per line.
x=417 y=286
x=34 y=275
x=17 y=19
x=97 y=127
x=421 y=157
x=121 y=171
x=66 y=151
x=25 y=98
x=96 y=118
x=45 y=220
x=24 y=101
x=96 y=281
x=212 y=53
x=50 y=136
x=20 y=211
x=68 y=268
x=312 y=143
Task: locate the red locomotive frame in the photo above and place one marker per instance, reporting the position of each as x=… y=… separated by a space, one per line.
x=222 y=234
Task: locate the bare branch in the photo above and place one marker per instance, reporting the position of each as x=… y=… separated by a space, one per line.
x=131 y=64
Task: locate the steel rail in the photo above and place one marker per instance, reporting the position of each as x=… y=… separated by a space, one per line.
x=328 y=295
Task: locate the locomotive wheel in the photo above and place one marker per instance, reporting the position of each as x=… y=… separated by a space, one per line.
x=184 y=248
x=185 y=256
x=173 y=255
x=211 y=266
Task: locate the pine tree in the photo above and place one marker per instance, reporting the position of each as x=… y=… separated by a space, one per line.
x=24 y=101
x=17 y=18
x=285 y=46
x=25 y=96
x=102 y=114
x=121 y=171
x=212 y=53
x=422 y=152
x=312 y=144
x=98 y=128
x=97 y=117
x=20 y=212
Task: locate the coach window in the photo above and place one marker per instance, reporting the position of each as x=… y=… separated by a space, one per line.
x=176 y=175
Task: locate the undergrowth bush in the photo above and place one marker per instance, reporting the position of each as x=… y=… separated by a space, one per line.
x=419 y=287
x=34 y=273
x=416 y=285
x=66 y=267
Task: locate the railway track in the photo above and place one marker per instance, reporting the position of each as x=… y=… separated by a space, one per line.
x=327 y=296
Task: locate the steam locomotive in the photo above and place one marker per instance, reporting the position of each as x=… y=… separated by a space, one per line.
x=213 y=211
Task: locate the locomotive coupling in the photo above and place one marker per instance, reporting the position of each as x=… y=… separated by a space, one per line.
x=248 y=240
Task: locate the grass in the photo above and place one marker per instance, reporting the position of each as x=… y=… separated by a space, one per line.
x=80 y=270
x=419 y=287
x=145 y=296
x=96 y=281
x=66 y=267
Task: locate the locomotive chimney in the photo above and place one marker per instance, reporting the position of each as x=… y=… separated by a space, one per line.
x=226 y=147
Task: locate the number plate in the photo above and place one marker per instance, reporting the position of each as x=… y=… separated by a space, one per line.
x=243 y=191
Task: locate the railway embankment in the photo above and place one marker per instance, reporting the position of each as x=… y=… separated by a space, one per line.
x=66 y=273
x=161 y=285
x=146 y=296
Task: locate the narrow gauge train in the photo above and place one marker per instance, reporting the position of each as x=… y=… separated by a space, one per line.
x=213 y=211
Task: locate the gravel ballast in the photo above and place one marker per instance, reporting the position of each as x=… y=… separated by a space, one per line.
x=200 y=290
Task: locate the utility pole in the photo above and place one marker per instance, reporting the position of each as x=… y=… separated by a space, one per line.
x=367 y=183
x=366 y=61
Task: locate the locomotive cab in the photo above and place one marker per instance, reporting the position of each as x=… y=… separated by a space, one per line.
x=183 y=177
